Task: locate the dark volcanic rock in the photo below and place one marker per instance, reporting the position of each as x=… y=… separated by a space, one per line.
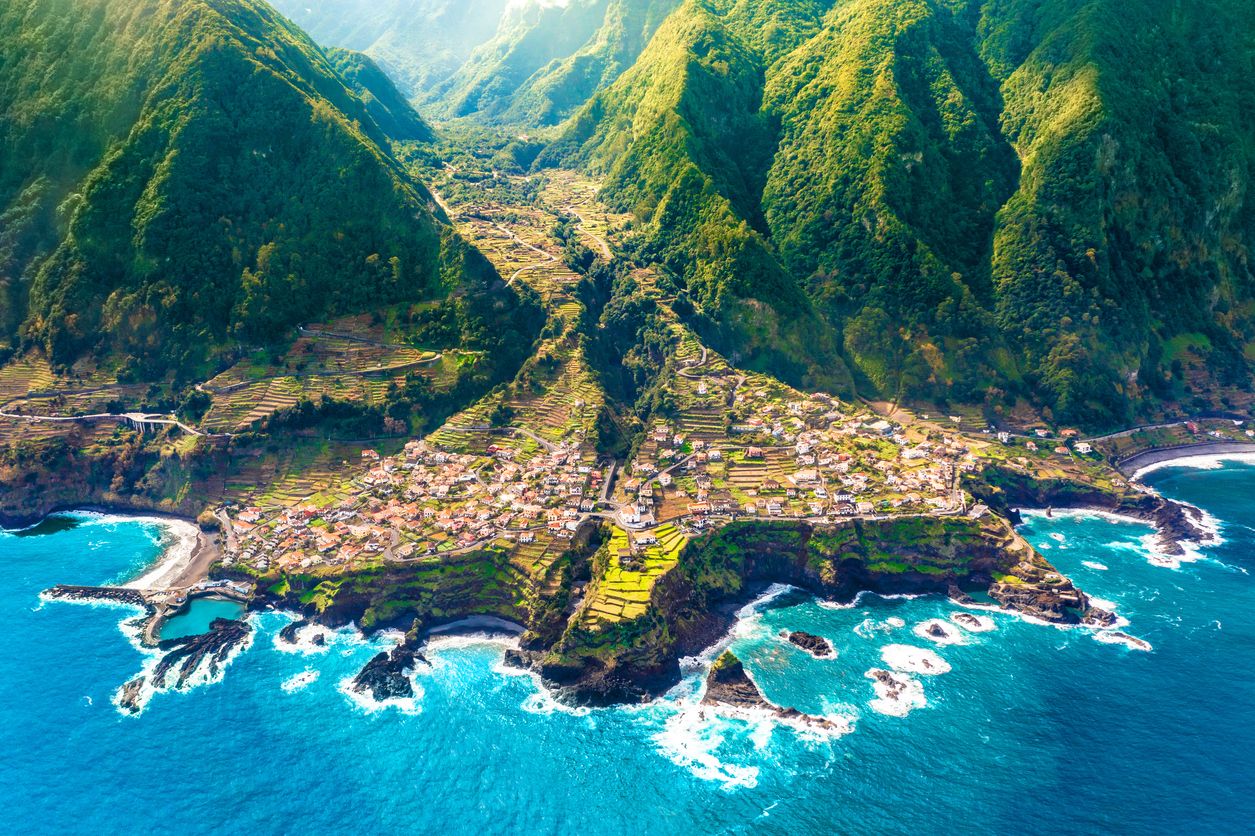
x=121 y=595
x=386 y=677
x=958 y=596
x=130 y=694
x=288 y=633
x=319 y=640
x=966 y=619
x=894 y=685
x=729 y=685
x=1097 y=617
x=1036 y=588
x=816 y=646
x=223 y=636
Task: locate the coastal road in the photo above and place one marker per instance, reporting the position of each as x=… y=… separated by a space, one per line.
x=141 y=419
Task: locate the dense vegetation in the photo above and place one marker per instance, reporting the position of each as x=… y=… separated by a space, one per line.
x=527 y=76
x=682 y=143
x=997 y=200
x=384 y=102
x=181 y=177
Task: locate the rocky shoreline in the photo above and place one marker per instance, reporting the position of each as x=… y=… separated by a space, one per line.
x=205 y=553
x=185 y=656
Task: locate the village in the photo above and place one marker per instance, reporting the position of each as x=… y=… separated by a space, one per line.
x=801 y=459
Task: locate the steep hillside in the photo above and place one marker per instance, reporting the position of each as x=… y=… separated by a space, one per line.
x=420 y=43
x=556 y=90
x=384 y=102
x=1002 y=202
x=531 y=34
x=178 y=177
x=683 y=144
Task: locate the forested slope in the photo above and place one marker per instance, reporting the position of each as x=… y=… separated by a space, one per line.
x=180 y=177
x=1006 y=200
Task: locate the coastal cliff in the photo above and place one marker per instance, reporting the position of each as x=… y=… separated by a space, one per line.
x=694 y=604
x=1007 y=490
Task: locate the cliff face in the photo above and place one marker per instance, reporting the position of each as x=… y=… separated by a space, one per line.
x=693 y=605
x=1007 y=490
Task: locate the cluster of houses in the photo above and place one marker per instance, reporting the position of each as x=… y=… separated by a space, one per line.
x=426 y=501
x=800 y=458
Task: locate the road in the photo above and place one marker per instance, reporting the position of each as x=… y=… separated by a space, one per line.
x=140 y=418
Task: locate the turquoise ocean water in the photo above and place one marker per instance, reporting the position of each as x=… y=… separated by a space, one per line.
x=1032 y=730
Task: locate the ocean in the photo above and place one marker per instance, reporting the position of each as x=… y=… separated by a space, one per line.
x=1031 y=729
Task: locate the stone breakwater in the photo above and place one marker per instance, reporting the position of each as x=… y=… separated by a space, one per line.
x=114 y=594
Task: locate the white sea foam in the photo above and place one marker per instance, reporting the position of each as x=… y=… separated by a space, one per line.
x=869 y=628
x=304 y=640
x=946 y=632
x=758 y=604
x=1211 y=461
x=300 y=681
x=1149 y=544
x=370 y=705
x=179 y=545
x=1057 y=537
x=133 y=630
x=690 y=739
x=1117 y=637
x=1093 y=564
x=897 y=698
x=906 y=658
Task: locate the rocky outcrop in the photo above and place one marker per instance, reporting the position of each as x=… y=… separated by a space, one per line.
x=1007 y=490
x=130 y=696
x=188 y=653
x=693 y=605
x=817 y=646
x=387 y=675
x=1034 y=588
x=289 y=631
x=728 y=685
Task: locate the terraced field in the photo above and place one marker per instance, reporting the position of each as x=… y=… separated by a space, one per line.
x=622 y=593
x=23 y=376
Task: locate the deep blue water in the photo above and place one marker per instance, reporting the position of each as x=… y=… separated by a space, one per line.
x=1033 y=730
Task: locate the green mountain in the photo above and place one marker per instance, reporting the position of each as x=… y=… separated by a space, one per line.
x=549 y=59
x=384 y=102
x=682 y=142
x=420 y=43
x=178 y=177
x=999 y=201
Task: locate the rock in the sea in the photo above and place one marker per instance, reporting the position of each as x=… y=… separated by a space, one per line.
x=1098 y=617
x=288 y=633
x=224 y=635
x=894 y=686
x=816 y=646
x=729 y=685
x=130 y=697
x=319 y=640
x=387 y=676
x=958 y=596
